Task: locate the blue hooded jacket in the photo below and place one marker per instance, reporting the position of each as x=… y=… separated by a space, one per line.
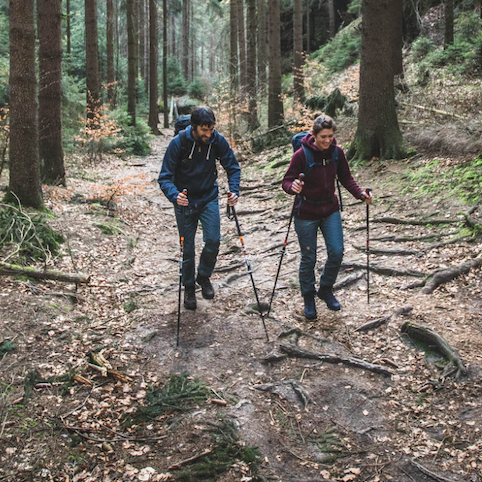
x=195 y=170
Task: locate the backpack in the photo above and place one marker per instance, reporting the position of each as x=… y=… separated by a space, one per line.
x=181 y=123
x=309 y=158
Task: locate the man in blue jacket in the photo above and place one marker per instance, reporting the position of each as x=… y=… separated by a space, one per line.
x=190 y=164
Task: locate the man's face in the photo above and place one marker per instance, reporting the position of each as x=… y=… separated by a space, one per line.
x=203 y=133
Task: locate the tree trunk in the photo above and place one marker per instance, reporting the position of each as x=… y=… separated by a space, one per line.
x=24 y=182
x=253 y=122
x=262 y=44
x=164 y=61
x=131 y=62
x=331 y=16
x=398 y=40
x=242 y=49
x=378 y=133
x=308 y=20
x=185 y=38
x=92 y=58
x=275 y=101
x=233 y=56
x=449 y=23
x=110 y=53
x=298 y=80
x=51 y=154
x=67 y=14
x=153 y=54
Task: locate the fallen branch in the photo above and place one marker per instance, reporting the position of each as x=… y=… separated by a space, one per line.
x=296 y=352
x=431 y=474
x=15 y=270
x=388 y=252
x=348 y=280
x=431 y=109
x=435 y=341
x=385 y=319
x=190 y=459
x=443 y=276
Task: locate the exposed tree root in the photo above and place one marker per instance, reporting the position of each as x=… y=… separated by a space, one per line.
x=348 y=280
x=470 y=221
x=375 y=268
x=415 y=222
x=431 y=474
x=440 y=277
x=436 y=341
x=15 y=270
x=296 y=352
x=370 y=325
x=389 y=252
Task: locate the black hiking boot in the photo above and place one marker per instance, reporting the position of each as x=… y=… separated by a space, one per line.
x=310 y=306
x=207 y=289
x=190 y=298
x=328 y=297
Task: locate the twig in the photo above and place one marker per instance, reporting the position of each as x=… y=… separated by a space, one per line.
x=190 y=459
x=431 y=474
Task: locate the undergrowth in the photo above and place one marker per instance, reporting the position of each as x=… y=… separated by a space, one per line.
x=463 y=181
x=29 y=236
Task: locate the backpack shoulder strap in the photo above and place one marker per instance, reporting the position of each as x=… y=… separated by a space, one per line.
x=309 y=160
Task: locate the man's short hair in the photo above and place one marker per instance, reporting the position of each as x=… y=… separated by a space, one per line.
x=202 y=116
x=323 y=122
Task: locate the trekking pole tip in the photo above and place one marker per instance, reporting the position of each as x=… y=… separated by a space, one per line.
x=368 y=189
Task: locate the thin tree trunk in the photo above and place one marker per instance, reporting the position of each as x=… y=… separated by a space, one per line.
x=173 y=50
x=24 y=182
x=233 y=57
x=164 y=62
x=153 y=55
x=110 y=53
x=92 y=58
x=308 y=31
x=253 y=122
x=51 y=154
x=275 y=101
x=331 y=16
x=131 y=62
x=68 y=27
x=449 y=23
x=242 y=49
x=262 y=46
x=298 y=80
x=185 y=38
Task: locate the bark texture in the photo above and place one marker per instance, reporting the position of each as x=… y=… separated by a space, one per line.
x=24 y=182
x=131 y=60
x=153 y=55
x=298 y=81
x=92 y=57
x=51 y=154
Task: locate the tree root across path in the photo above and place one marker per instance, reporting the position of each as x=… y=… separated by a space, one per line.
x=15 y=270
x=436 y=342
x=370 y=325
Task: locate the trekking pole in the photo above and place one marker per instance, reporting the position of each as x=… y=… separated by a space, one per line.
x=181 y=257
x=368 y=190
x=285 y=243
x=232 y=214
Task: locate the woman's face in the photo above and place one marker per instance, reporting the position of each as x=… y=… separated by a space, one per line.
x=324 y=138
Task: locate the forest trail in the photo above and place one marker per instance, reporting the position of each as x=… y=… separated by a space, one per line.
x=311 y=419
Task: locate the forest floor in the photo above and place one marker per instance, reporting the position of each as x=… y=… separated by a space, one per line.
x=399 y=417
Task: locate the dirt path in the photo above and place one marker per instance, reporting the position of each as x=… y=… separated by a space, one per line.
x=310 y=419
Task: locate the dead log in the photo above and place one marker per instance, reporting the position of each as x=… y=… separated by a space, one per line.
x=16 y=270
x=404 y=310
x=296 y=352
x=443 y=276
x=375 y=268
x=415 y=222
x=437 y=342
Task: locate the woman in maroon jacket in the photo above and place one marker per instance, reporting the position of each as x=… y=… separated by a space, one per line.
x=318 y=208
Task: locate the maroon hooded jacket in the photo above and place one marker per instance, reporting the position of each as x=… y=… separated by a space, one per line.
x=319 y=183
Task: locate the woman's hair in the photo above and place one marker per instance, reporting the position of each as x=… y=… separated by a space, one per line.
x=323 y=122
x=202 y=116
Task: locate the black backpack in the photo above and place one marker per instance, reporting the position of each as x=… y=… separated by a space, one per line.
x=181 y=123
x=309 y=159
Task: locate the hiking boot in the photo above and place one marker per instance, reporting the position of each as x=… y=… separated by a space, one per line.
x=206 y=287
x=310 y=307
x=327 y=296
x=190 y=298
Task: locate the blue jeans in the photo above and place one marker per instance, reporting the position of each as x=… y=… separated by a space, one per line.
x=307 y=232
x=187 y=222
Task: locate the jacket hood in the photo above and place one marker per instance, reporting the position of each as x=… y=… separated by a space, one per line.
x=309 y=141
x=191 y=137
